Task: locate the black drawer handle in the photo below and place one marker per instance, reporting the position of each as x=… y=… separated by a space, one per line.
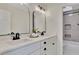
x=44 y=48
x=53 y=43
x=44 y=42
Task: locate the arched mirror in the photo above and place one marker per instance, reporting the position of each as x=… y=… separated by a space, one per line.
x=21 y=19
x=14 y=18
x=39 y=21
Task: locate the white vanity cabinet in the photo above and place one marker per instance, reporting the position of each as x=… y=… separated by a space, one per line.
x=37 y=52
x=24 y=50
x=46 y=46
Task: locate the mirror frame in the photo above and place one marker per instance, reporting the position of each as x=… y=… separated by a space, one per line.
x=33 y=22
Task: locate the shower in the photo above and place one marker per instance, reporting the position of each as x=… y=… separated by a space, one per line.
x=71 y=25
x=71 y=32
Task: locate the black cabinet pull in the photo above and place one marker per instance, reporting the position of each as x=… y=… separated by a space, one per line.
x=44 y=42
x=44 y=48
x=53 y=43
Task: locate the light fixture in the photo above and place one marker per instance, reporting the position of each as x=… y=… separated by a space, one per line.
x=70 y=15
x=67 y=8
x=40 y=9
x=37 y=8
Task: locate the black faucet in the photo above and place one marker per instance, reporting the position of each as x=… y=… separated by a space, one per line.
x=15 y=36
x=42 y=33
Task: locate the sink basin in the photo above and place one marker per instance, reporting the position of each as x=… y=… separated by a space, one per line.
x=14 y=42
x=18 y=41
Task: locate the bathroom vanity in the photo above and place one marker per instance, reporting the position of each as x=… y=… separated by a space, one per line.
x=43 y=45
x=25 y=20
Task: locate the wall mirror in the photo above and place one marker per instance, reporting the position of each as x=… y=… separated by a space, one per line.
x=14 y=18
x=39 y=21
x=21 y=19
x=5 y=22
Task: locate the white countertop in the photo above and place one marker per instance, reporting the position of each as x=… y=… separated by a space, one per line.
x=7 y=43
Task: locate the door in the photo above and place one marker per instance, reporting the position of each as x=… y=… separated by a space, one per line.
x=52 y=48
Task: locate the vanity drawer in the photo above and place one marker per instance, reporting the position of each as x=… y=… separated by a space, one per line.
x=48 y=42
x=49 y=50
x=53 y=40
x=44 y=42
x=44 y=49
x=49 y=46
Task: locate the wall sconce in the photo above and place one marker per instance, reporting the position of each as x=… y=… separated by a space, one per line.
x=40 y=9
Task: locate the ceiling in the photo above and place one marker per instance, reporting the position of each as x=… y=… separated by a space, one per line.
x=23 y=7
x=68 y=4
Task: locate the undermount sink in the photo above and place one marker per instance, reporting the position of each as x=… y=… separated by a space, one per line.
x=14 y=42
x=17 y=41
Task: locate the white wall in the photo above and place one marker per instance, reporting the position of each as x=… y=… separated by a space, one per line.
x=55 y=24
x=51 y=19
x=60 y=30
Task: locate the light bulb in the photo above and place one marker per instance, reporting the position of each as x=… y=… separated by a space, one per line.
x=36 y=8
x=39 y=10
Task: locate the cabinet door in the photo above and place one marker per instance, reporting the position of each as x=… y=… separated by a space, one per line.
x=24 y=50
x=44 y=50
x=48 y=46
x=52 y=48
x=44 y=45
x=37 y=52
